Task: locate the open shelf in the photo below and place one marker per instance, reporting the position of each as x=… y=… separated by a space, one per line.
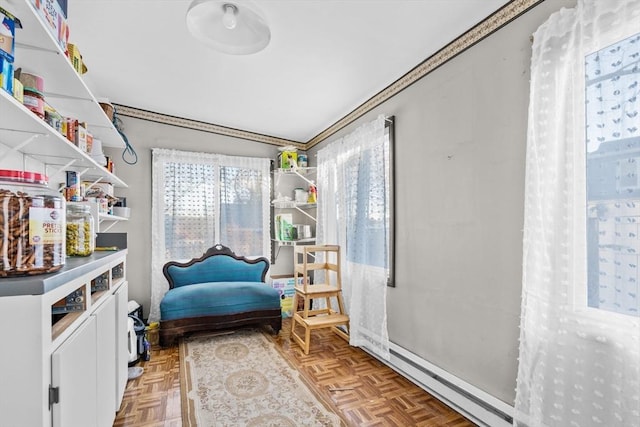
x=38 y=52
x=66 y=310
x=99 y=286
x=26 y=133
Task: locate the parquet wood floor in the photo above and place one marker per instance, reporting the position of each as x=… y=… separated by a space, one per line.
x=361 y=389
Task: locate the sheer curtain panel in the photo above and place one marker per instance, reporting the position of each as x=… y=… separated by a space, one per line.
x=200 y=199
x=353 y=212
x=579 y=361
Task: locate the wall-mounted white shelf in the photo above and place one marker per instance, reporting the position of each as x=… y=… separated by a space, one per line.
x=284 y=183
x=39 y=53
x=110 y=221
x=103 y=221
x=24 y=132
x=295 y=242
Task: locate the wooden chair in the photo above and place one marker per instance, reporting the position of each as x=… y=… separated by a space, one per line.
x=309 y=260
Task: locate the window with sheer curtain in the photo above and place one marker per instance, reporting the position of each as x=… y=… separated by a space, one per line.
x=354 y=211
x=579 y=362
x=200 y=199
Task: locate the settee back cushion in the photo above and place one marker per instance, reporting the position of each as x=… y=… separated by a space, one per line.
x=219 y=268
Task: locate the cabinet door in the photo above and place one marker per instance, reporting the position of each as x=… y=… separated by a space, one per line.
x=122 y=346
x=73 y=371
x=106 y=356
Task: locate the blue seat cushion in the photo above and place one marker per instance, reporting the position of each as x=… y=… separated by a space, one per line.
x=218 y=299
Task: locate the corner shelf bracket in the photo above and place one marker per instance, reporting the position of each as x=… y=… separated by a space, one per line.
x=306 y=213
x=58 y=171
x=38 y=48
x=108 y=227
x=20 y=146
x=310 y=182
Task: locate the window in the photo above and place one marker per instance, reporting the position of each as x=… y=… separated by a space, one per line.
x=368 y=188
x=192 y=215
x=355 y=211
x=613 y=186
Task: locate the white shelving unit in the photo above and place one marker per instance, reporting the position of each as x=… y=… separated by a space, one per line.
x=284 y=183
x=67 y=330
x=23 y=132
x=102 y=221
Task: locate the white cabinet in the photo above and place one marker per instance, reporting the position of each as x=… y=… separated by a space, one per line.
x=73 y=378
x=122 y=344
x=63 y=363
x=302 y=213
x=107 y=378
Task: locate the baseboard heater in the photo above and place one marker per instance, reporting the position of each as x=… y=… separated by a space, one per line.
x=476 y=405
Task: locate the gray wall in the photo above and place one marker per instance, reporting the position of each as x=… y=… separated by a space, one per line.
x=460 y=146
x=460 y=150
x=144 y=136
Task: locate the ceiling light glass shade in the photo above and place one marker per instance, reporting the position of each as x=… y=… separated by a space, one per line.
x=230 y=27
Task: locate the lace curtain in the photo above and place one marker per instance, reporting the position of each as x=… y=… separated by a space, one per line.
x=579 y=361
x=353 y=212
x=200 y=199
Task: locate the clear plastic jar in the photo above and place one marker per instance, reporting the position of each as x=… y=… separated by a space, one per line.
x=32 y=225
x=80 y=230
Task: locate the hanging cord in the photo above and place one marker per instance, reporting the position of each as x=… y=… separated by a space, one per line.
x=128 y=147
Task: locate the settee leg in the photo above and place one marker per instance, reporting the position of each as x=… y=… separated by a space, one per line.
x=168 y=340
x=276 y=325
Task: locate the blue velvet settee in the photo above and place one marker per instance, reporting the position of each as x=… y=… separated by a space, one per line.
x=217 y=291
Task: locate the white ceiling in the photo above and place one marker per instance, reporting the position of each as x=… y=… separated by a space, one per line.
x=325 y=58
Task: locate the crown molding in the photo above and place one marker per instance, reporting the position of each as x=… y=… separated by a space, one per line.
x=127 y=111
x=493 y=23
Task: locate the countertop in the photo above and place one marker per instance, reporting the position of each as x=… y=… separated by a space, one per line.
x=41 y=284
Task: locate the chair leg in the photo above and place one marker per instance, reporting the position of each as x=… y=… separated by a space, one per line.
x=307 y=339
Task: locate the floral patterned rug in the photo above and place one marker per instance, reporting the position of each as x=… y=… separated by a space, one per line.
x=238 y=379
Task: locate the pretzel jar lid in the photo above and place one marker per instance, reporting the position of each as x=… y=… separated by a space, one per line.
x=23 y=177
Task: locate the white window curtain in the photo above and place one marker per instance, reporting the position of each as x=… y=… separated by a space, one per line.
x=353 y=212
x=200 y=199
x=579 y=361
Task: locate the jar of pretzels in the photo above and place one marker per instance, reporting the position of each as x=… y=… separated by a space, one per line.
x=32 y=225
x=80 y=234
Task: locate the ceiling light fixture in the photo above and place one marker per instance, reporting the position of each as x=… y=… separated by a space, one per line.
x=236 y=28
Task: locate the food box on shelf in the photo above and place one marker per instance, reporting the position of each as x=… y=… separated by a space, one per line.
x=288 y=159
x=18 y=90
x=8 y=25
x=104 y=187
x=6 y=75
x=55 y=18
x=76 y=59
x=81 y=138
x=284 y=227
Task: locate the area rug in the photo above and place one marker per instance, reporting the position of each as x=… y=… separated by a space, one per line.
x=240 y=379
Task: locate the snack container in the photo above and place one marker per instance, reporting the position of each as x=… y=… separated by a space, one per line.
x=80 y=230
x=32 y=225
